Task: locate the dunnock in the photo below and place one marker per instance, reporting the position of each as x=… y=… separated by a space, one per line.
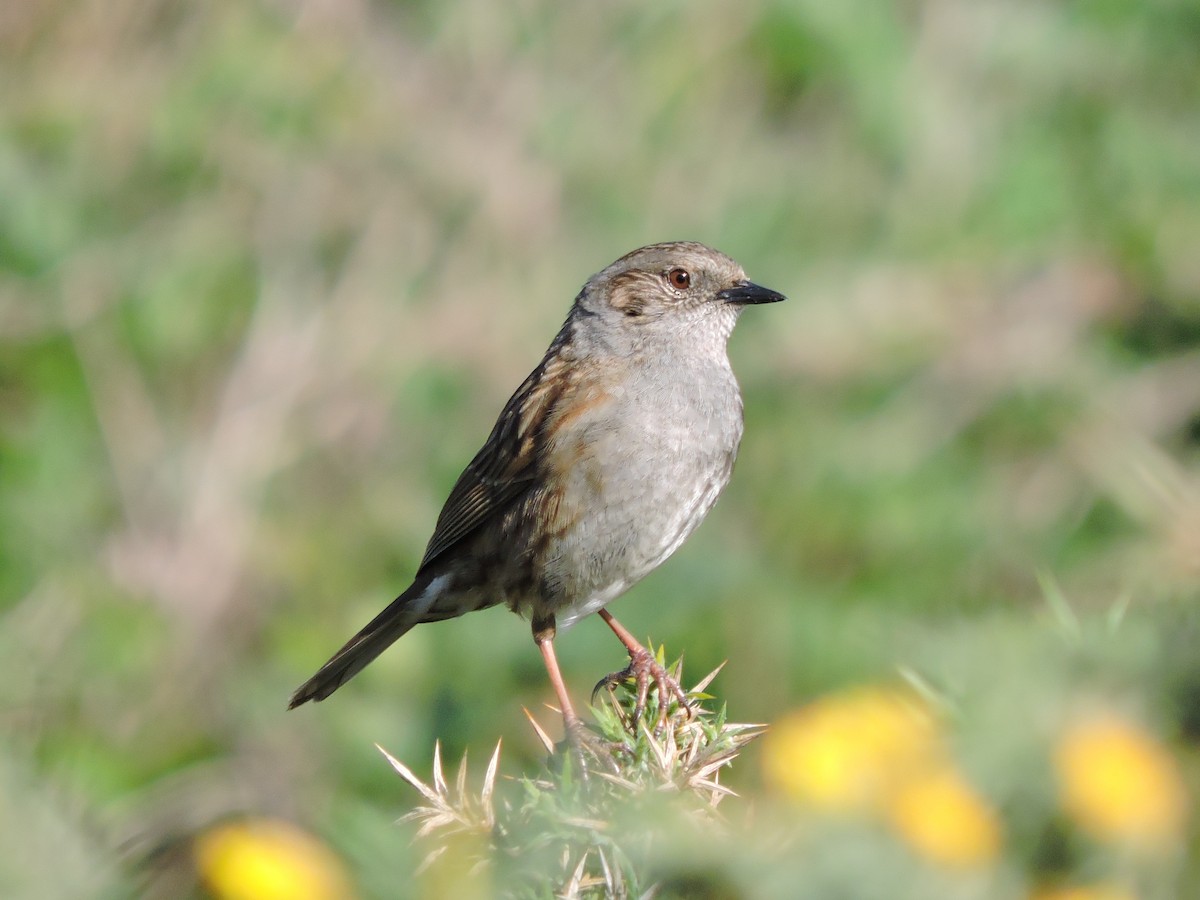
x=605 y=459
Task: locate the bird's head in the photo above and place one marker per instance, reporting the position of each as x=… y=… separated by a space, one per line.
x=673 y=289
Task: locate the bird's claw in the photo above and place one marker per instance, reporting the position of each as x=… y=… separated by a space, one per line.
x=642 y=668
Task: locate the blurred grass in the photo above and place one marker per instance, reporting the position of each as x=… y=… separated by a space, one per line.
x=268 y=271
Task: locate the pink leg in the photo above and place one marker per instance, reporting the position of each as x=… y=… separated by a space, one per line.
x=642 y=666
x=546 y=645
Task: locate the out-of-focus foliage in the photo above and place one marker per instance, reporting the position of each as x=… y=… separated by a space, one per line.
x=615 y=814
x=268 y=271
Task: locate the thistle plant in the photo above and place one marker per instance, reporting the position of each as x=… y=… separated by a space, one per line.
x=610 y=820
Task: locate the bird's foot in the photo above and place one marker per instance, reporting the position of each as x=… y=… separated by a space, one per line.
x=643 y=668
x=580 y=744
x=585 y=747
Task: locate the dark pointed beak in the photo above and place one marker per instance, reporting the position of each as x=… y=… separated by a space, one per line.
x=745 y=292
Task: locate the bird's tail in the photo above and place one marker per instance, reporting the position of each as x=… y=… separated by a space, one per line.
x=401 y=614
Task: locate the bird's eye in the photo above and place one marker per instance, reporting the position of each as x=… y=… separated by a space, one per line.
x=679 y=279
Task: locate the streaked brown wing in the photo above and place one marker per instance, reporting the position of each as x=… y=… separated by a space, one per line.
x=507 y=466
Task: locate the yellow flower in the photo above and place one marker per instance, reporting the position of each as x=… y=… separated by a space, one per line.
x=1089 y=892
x=269 y=860
x=944 y=820
x=1120 y=784
x=845 y=751
x=878 y=751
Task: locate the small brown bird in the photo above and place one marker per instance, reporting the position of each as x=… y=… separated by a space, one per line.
x=606 y=458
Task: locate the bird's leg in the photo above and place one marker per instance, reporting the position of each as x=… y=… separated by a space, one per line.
x=642 y=666
x=543 y=635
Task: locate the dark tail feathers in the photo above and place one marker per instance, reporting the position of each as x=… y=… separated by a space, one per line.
x=380 y=633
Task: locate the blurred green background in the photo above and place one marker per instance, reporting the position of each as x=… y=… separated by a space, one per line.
x=268 y=271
